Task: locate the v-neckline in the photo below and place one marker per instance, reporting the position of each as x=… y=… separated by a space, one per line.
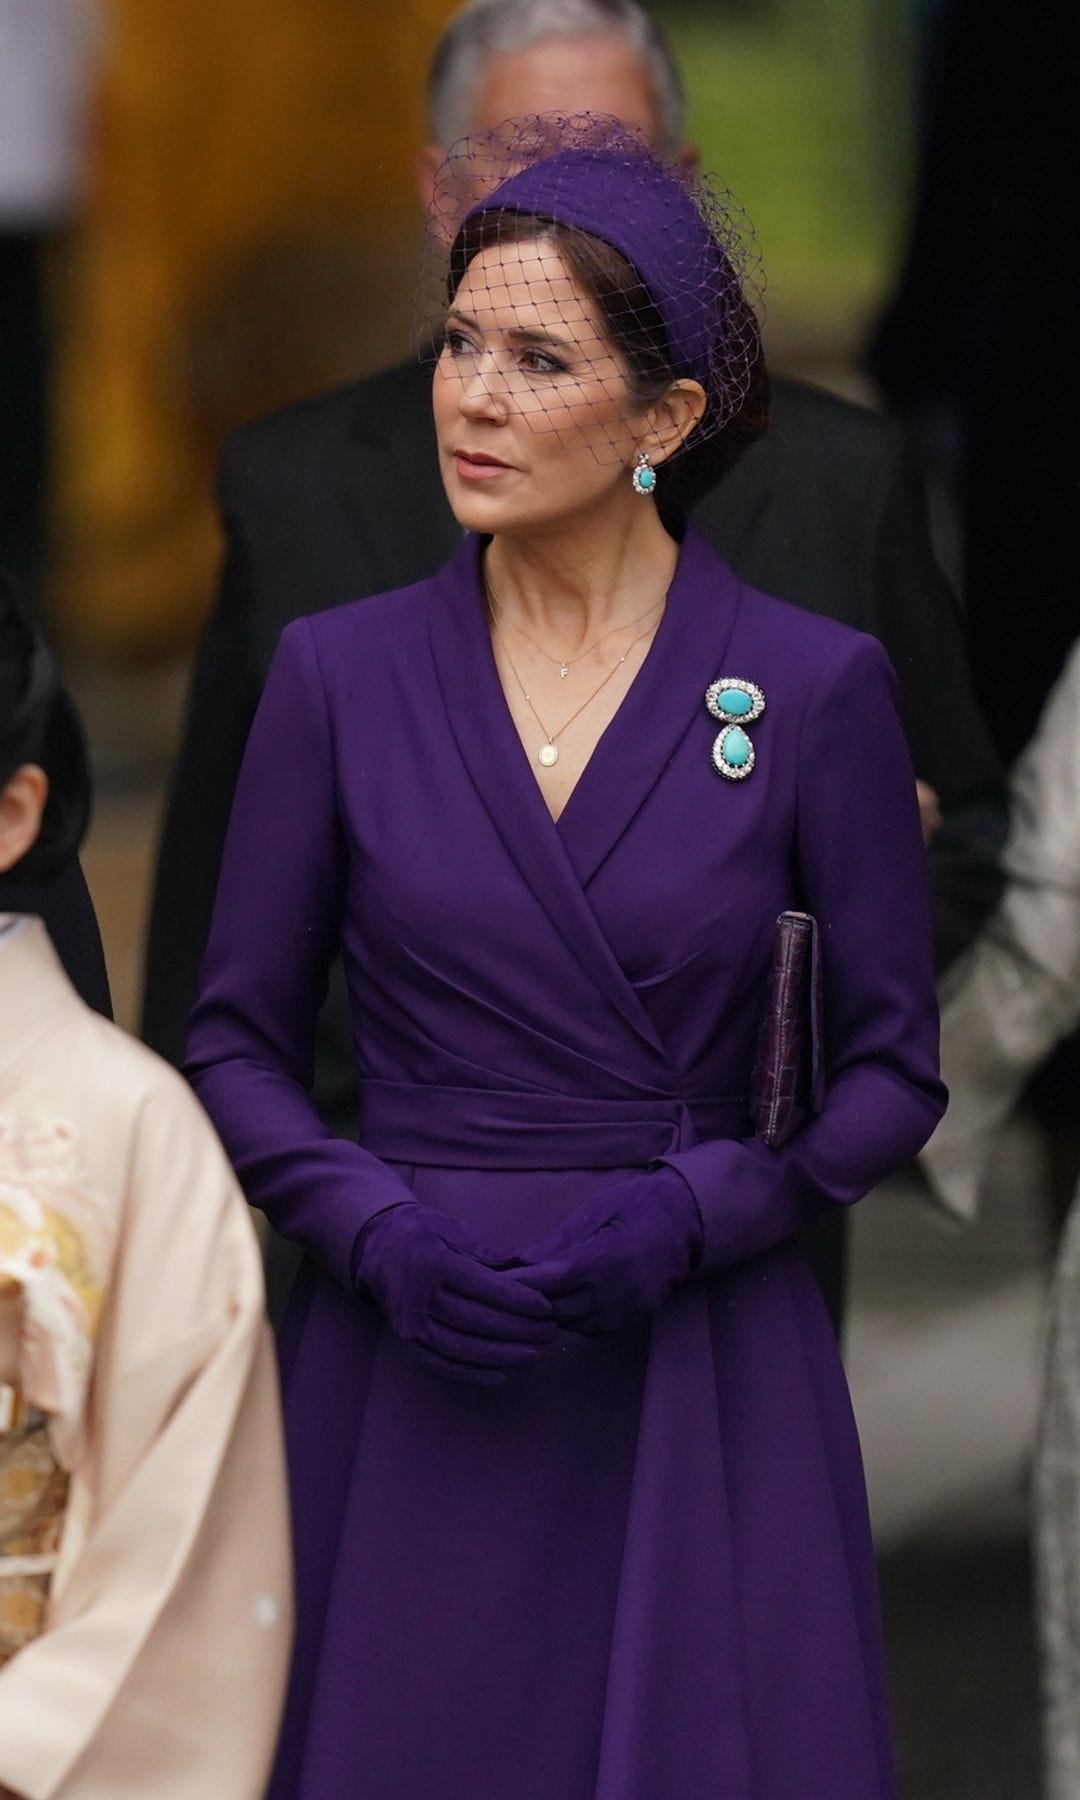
x=557 y=819
x=665 y=700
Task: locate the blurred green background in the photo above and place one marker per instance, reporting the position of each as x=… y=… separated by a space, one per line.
x=805 y=109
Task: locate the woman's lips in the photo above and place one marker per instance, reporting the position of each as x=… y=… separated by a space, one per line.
x=475 y=468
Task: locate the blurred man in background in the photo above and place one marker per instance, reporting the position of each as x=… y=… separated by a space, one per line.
x=341 y=497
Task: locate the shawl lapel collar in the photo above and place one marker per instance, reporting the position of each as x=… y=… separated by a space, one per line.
x=394 y=496
x=491 y=750
x=666 y=700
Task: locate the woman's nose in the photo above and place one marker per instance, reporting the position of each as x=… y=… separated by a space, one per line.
x=483 y=393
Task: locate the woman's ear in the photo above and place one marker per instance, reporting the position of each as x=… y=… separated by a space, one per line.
x=672 y=419
x=22 y=806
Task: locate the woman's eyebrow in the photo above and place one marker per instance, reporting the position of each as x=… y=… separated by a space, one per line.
x=520 y=334
x=523 y=335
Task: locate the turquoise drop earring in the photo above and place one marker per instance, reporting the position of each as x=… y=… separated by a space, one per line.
x=644 y=475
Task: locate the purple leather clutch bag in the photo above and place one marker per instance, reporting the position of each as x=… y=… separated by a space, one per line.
x=787 y=1084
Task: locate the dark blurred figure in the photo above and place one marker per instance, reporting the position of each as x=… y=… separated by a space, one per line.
x=44 y=52
x=22 y=407
x=979 y=345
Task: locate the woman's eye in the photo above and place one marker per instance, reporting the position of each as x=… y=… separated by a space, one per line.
x=457 y=343
x=538 y=362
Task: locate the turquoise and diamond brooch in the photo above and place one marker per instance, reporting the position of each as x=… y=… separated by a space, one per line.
x=735 y=704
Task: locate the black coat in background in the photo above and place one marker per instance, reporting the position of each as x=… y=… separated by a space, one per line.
x=979 y=343
x=341 y=497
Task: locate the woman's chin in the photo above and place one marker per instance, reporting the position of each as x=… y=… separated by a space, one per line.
x=481 y=512
x=516 y=514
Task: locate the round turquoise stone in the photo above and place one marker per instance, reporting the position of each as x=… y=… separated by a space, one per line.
x=735 y=701
x=735 y=748
x=646 y=480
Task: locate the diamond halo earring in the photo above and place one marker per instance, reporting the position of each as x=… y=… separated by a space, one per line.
x=644 y=475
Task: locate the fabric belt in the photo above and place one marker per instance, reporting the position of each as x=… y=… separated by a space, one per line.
x=482 y=1128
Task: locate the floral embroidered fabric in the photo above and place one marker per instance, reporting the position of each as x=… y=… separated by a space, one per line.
x=54 y=1255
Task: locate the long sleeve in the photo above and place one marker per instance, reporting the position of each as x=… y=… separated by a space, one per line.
x=162 y=1665
x=862 y=872
x=222 y=702
x=228 y=675
x=275 y=932
x=1017 y=992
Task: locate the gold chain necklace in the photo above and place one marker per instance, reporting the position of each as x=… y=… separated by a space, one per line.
x=548 y=755
x=565 y=664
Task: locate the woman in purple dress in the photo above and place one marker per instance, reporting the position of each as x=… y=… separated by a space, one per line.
x=577 y=1497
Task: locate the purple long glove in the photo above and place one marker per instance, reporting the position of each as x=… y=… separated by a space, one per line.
x=619 y=1258
x=461 y=1319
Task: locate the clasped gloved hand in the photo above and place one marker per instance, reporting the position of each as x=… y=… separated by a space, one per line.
x=462 y=1320
x=620 y=1257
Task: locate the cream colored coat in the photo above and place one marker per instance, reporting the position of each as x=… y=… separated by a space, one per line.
x=1005 y=1006
x=1008 y=1001
x=161 y=1668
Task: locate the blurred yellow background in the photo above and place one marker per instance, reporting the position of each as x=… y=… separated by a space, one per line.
x=248 y=238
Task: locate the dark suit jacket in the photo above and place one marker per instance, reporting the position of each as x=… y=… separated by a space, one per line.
x=67 y=910
x=970 y=321
x=341 y=497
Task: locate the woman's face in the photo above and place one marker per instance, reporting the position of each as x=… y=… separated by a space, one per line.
x=533 y=414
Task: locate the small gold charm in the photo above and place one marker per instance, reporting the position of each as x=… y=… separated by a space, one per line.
x=547 y=756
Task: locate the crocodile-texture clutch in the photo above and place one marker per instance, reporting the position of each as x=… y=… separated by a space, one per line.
x=787 y=1084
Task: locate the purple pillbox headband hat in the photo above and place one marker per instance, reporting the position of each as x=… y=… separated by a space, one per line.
x=637 y=207
x=687 y=240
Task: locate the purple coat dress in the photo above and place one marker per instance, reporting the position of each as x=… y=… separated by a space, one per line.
x=642 y=1570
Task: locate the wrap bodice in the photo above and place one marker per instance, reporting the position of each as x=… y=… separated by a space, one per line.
x=586 y=992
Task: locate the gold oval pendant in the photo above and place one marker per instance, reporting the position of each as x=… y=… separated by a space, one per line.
x=547 y=756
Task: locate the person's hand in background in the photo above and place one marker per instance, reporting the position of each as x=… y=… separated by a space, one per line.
x=929 y=811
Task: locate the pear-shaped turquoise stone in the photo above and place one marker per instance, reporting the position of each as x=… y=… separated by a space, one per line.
x=646 y=479
x=735 y=701
x=735 y=748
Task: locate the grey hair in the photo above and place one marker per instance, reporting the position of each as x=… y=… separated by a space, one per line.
x=486 y=28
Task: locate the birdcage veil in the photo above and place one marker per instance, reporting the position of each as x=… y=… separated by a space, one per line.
x=574 y=229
